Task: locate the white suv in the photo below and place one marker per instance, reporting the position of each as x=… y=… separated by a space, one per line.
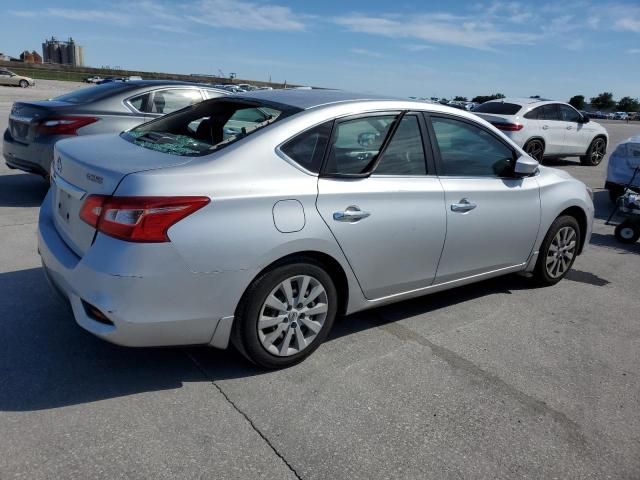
x=545 y=128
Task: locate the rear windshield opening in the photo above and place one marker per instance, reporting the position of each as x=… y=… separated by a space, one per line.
x=500 y=108
x=206 y=127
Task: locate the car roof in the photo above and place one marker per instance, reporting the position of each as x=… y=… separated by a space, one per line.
x=306 y=99
x=163 y=83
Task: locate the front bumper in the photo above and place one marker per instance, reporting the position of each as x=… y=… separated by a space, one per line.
x=34 y=157
x=164 y=304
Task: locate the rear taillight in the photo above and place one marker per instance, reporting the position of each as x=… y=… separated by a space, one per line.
x=138 y=219
x=508 y=127
x=64 y=125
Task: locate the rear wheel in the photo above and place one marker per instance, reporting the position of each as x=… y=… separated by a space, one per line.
x=627 y=232
x=558 y=250
x=24 y=83
x=285 y=314
x=535 y=149
x=595 y=153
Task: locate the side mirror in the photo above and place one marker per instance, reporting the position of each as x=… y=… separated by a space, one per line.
x=526 y=166
x=584 y=119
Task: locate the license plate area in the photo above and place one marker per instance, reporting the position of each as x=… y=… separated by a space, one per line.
x=63 y=205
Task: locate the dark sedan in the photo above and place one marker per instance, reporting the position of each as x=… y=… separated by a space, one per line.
x=34 y=127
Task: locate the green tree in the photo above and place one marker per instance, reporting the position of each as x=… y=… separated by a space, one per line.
x=459 y=99
x=603 y=101
x=486 y=98
x=628 y=104
x=577 y=102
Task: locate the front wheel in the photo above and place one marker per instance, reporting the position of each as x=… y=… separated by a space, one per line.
x=535 y=149
x=627 y=232
x=595 y=153
x=285 y=314
x=558 y=251
x=24 y=83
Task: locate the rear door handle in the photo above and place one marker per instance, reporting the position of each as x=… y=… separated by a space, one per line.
x=350 y=214
x=569 y=127
x=463 y=206
x=545 y=127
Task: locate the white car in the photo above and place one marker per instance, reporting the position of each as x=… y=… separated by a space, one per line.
x=545 y=128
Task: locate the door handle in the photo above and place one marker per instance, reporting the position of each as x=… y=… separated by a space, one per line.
x=569 y=127
x=545 y=127
x=351 y=214
x=464 y=206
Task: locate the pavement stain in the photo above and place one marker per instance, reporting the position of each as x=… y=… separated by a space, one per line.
x=455 y=361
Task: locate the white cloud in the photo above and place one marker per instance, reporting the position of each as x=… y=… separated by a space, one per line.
x=177 y=17
x=246 y=16
x=634 y=51
x=469 y=32
x=414 y=47
x=366 y=53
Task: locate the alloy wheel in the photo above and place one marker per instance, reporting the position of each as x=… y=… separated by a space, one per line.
x=561 y=252
x=535 y=149
x=597 y=151
x=292 y=315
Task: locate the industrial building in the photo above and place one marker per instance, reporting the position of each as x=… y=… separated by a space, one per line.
x=61 y=52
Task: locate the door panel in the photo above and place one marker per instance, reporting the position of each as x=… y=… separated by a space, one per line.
x=397 y=247
x=574 y=139
x=553 y=130
x=498 y=232
x=492 y=216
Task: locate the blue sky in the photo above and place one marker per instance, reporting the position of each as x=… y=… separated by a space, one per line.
x=424 y=48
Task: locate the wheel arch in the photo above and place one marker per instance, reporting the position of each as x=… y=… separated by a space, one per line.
x=330 y=264
x=581 y=217
x=535 y=137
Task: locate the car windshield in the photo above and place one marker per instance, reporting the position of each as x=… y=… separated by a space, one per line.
x=500 y=108
x=90 y=94
x=206 y=127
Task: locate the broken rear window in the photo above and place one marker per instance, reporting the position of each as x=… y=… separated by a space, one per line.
x=207 y=126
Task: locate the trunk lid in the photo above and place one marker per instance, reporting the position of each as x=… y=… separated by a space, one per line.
x=25 y=117
x=494 y=118
x=95 y=164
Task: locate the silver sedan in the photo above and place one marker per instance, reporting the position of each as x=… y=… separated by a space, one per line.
x=259 y=218
x=35 y=126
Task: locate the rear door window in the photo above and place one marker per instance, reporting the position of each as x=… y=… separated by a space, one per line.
x=405 y=153
x=550 y=112
x=356 y=143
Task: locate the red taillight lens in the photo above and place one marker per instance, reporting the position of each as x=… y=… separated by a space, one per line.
x=64 y=125
x=138 y=219
x=508 y=127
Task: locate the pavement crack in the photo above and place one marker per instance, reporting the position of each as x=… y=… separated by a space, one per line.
x=246 y=417
x=460 y=363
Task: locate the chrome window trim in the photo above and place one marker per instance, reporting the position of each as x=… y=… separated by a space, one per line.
x=127 y=101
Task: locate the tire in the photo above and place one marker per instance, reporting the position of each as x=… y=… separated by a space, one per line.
x=627 y=232
x=286 y=335
x=558 y=251
x=535 y=149
x=24 y=83
x=595 y=153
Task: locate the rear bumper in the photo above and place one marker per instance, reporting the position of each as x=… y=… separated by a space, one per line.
x=34 y=157
x=164 y=304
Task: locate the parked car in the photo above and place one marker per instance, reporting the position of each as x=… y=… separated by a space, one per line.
x=93 y=79
x=623 y=162
x=620 y=116
x=35 y=126
x=545 y=128
x=178 y=233
x=7 y=77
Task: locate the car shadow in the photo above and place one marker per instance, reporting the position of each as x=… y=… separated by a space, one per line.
x=22 y=190
x=47 y=361
x=561 y=162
